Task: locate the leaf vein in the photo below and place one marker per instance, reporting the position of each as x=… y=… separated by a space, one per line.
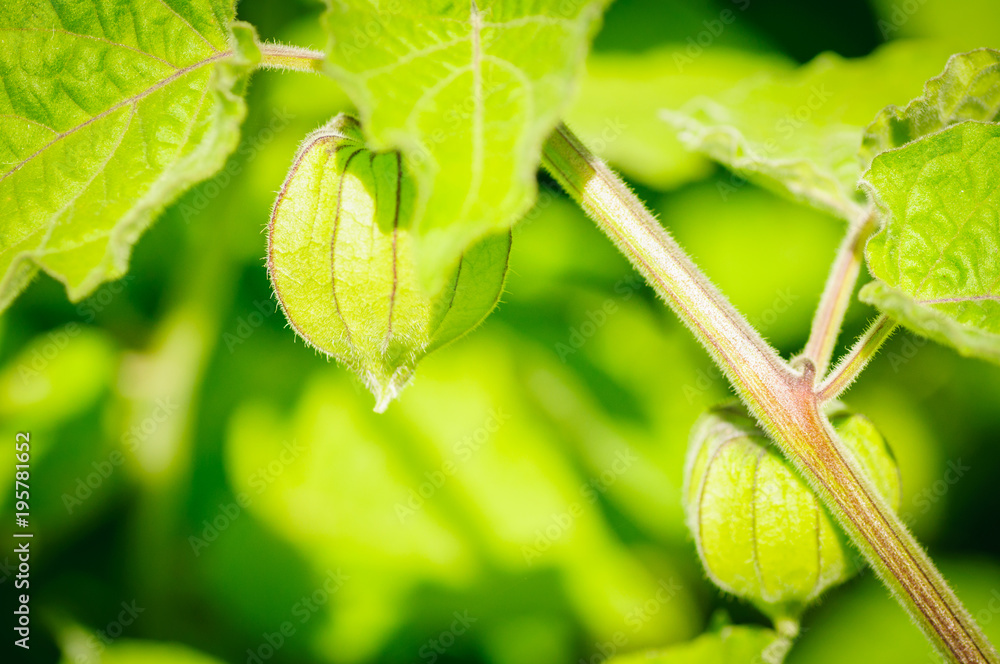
x=125 y=102
x=139 y=51
x=97 y=171
x=188 y=24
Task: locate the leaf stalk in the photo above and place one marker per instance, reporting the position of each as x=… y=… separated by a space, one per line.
x=837 y=293
x=864 y=349
x=293 y=58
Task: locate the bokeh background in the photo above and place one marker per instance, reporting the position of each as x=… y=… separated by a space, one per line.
x=205 y=488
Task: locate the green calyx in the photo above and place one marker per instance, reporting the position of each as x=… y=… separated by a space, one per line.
x=341 y=256
x=761 y=532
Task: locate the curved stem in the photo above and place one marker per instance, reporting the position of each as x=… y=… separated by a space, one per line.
x=860 y=354
x=785 y=402
x=837 y=295
x=888 y=545
x=749 y=362
x=787 y=630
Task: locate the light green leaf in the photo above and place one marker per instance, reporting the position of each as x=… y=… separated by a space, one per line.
x=968 y=89
x=799 y=134
x=618 y=110
x=84 y=646
x=967 y=24
x=107 y=113
x=468 y=94
x=730 y=645
x=937 y=255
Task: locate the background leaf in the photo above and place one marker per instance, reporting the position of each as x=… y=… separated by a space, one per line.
x=968 y=89
x=108 y=112
x=966 y=24
x=468 y=94
x=580 y=352
x=730 y=645
x=618 y=110
x=83 y=647
x=799 y=134
x=867 y=625
x=937 y=255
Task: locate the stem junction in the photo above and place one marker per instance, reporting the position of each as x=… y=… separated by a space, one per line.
x=786 y=401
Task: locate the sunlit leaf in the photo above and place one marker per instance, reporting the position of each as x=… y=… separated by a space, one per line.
x=84 y=647
x=108 y=112
x=730 y=645
x=469 y=93
x=968 y=89
x=937 y=256
x=618 y=110
x=799 y=134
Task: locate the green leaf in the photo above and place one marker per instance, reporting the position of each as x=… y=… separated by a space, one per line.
x=618 y=110
x=730 y=645
x=967 y=24
x=799 y=134
x=84 y=646
x=968 y=89
x=937 y=256
x=468 y=94
x=107 y=113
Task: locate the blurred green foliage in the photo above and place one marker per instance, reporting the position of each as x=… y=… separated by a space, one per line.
x=521 y=502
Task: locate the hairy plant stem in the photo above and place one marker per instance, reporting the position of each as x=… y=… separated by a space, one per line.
x=861 y=353
x=787 y=630
x=785 y=401
x=837 y=293
x=280 y=56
